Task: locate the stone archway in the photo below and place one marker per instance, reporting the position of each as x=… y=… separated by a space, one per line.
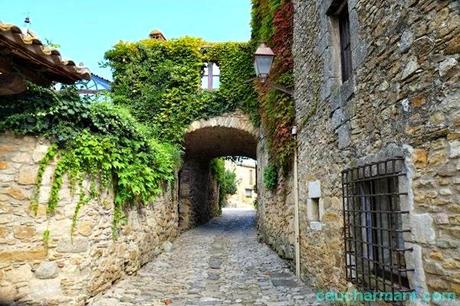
x=231 y=134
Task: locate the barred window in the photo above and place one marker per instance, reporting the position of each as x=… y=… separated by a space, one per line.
x=373 y=231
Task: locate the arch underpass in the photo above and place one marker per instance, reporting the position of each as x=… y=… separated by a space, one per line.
x=231 y=134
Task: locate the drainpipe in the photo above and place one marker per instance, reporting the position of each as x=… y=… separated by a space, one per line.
x=296 y=207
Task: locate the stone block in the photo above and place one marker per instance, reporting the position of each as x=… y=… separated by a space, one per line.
x=446 y=65
x=44 y=288
x=78 y=245
x=3 y=231
x=6 y=178
x=433 y=268
x=3 y=165
x=418 y=101
x=410 y=68
x=22 y=157
x=407 y=38
x=85 y=228
x=453 y=46
x=344 y=138
x=437 y=284
x=46 y=270
x=19 y=274
x=454 y=148
x=338 y=117
x=437 y=255
x=420 y=158
x=422 y=228
x=167 y=246
x=39 y=152
x=23 y=255
x=441 y=218
x=455 y=287
x=15 y=192
x=314 y=189
x=8 y=294
x=24 y=232
x=6 y=149
x=27 y=175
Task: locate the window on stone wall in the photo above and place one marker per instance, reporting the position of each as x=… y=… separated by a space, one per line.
x=338 y=12
x=373 y=233
x=210 y=78
x=248 y=193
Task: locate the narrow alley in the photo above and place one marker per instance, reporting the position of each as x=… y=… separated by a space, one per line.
x=220 y=263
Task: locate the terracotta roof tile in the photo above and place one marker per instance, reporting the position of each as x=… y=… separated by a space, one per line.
x=29 y=47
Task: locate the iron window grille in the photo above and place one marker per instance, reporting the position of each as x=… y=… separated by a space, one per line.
x=373 y=231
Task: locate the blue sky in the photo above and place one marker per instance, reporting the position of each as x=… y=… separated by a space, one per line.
x=85 y=29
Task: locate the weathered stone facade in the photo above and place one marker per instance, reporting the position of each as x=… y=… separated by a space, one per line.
x=403 y=100
x=198 y=194
x=275 y=211
x=231 y=134
x=65 y=270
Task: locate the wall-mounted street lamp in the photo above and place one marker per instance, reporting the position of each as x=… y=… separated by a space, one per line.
x=263 y=61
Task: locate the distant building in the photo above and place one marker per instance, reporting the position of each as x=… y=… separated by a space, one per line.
x=246 y=179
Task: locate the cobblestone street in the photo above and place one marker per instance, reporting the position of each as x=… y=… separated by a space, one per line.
x=220 y=263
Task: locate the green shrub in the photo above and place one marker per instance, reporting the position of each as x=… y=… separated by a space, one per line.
x=99 y=142
x=271 y=177
x=226 y=180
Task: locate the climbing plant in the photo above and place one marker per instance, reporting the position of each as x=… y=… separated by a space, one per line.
x=159 y=81
x=272 y=23
x=270 y=176
x=226 y=180
x=99 y=142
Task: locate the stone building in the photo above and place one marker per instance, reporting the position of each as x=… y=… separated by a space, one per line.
x=378 y=112
x=246 y=193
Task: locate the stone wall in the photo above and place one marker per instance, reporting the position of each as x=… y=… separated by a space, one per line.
x=402 y=100
x=67 y=271
x=275 y=211
x=198 y=194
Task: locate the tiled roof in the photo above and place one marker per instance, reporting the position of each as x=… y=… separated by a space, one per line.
x=27 y=47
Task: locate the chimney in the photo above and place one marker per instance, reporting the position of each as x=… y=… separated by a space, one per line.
x=156 y=34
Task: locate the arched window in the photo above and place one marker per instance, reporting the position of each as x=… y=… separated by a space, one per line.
x=210 y=79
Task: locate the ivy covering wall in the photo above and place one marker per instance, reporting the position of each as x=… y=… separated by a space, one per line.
x=160 y=82
x=272 y=23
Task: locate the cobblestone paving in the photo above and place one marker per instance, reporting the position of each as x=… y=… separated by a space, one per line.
x=220 y=263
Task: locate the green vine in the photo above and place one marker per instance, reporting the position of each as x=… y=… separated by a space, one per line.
x=107 y=146
x=44 y=162
x=272 y=23
x=160 y=82
x=270 y=177
x=226 y=180
x=46 y=237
